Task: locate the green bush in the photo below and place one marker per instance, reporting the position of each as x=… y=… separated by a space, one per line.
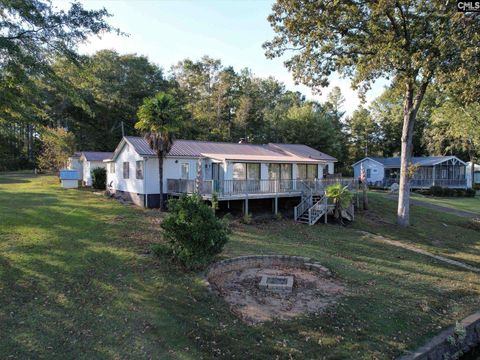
x=436 y=190
x=193 y=232
x=99 y=178
x=470 y=192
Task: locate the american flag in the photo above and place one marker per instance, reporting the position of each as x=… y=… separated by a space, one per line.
x=363 y=174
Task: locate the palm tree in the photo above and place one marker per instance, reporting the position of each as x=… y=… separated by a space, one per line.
x=341 y=197
x=158 y=119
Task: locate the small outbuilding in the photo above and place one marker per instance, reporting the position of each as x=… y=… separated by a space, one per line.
x=90 y=160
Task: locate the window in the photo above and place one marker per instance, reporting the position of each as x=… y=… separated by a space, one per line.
x=111 y=167
x=302 y=171
x=185 y=171
x=126 y=170
x=239 y=171
x=139 y=169
x=369 y=173
x=246 y=171
x=312 y=171
x=274 y=171
x=253 y=171
x=285 y=171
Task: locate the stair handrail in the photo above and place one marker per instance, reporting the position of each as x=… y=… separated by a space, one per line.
x=306 y=202
x=315 y=212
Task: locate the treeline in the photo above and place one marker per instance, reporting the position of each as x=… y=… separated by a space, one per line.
x=96 y=99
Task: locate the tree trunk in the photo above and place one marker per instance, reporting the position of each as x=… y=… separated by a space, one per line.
x=160 y=174
x=365 y=196
x=472 y=170
x=410 y=109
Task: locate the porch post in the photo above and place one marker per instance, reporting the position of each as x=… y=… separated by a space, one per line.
x=433 y=175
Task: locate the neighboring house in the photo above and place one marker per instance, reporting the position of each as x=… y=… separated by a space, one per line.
x=446 y=171
x=91 y=160
x=476 y=176
x=232 y=171
x=74 y=163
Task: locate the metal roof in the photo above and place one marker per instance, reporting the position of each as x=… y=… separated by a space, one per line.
x=304 y=151
x=96 y=155
x=194 y=148
x=394 y=162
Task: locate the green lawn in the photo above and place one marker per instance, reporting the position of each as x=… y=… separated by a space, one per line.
x=465 y=203
x=75 y=282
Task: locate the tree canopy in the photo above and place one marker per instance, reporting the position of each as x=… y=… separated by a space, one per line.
x=412 y=43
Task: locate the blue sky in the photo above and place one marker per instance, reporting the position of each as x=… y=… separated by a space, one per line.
x=168 y=31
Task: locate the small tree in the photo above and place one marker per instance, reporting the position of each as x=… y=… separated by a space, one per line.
x=341 y=197
x=57 y=146
x=193 y=232
x=99 y=178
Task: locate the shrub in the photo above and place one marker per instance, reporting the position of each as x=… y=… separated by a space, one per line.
x=99 y=178
x=436 y=190
x=161 y=250
x=341 y=197
x=476 y=186
x=193 y=232
x=247 y=219
x=470 y=192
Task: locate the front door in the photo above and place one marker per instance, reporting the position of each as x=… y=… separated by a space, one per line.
x=217 y=177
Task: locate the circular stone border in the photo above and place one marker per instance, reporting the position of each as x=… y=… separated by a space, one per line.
x=241 y=262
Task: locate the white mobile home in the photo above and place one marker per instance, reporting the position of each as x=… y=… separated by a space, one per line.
x=232 y=171
x=90 y=160
x=445 y=171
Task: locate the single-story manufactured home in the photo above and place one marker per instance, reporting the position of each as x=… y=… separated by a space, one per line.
x=85 y=161
x=233 y=171
x=445 y=171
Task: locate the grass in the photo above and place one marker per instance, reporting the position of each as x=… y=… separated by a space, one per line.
x=471 y=204
x=76 y=282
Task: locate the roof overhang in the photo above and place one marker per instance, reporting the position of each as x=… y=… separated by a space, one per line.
x=367 y=158
x=263 y=158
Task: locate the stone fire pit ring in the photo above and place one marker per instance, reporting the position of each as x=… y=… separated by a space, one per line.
x=261 y=288
x=242 y=262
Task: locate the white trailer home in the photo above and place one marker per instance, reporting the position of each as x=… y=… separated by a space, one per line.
x=232 y=171
x=445 y=171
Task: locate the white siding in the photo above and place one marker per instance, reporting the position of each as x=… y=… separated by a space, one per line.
x=331 y=168
x=132 y=184
x=88 y=167
x=172 y=169
x=377 y=171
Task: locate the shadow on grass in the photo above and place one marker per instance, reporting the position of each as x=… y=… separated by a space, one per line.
x=72 y=284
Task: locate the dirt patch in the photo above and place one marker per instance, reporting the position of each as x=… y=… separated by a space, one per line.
x=312 y=293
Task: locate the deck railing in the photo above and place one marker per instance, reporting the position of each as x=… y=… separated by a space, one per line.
x=247 y=187
x=426 y=183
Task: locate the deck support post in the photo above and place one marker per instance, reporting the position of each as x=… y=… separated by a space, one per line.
x=246 y=206
x=275 y=201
